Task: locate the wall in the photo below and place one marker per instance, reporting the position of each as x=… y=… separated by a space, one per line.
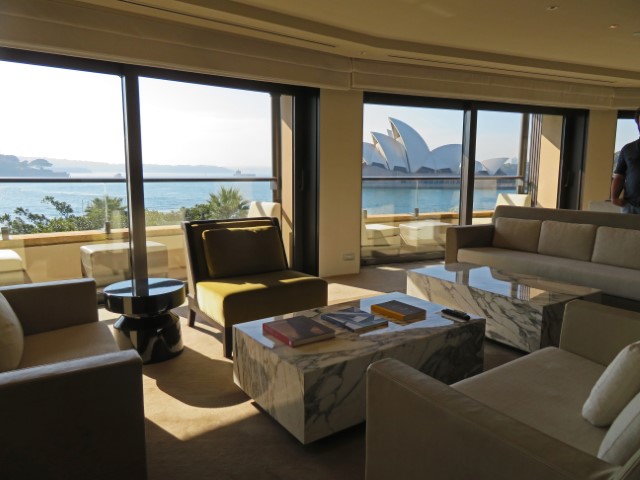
x=600 y=147
x=340 y=181
x=549 y=175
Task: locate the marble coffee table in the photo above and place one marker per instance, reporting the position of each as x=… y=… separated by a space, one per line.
x=522 y=311
x=318 y=389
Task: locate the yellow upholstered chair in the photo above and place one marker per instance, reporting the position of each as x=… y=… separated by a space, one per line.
x=237 y=272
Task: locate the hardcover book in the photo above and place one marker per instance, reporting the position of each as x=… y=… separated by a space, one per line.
x=298 y=330
x=399 y=311
x=355 y=319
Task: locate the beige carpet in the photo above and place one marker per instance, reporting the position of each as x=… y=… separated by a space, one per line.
x=200 y=425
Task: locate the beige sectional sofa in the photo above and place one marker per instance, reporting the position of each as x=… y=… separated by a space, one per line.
x=594 y=249
x=522 y=420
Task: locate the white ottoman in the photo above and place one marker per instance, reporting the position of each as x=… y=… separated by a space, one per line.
x=424 y=233
x=108 y=263
x=12 y=269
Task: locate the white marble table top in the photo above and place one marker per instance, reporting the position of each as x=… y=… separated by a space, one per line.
x=515 y=286
x=347 y=344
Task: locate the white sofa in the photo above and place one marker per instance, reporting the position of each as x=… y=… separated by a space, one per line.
x=594 y=249
x=521 y=420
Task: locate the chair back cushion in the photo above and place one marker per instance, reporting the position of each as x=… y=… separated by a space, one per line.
x=232 y=252
x=11 y=337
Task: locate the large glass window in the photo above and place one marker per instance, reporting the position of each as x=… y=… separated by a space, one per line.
x=500 y=162
x=416 y=180
x=208 y=148
x=410 y=179
x=626 y=131
x=218 y=141
x=60 y=131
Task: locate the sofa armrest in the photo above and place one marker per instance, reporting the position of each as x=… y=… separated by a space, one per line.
x=66 y=420
x=46 y=306
x=418 y=427
x=598 y=332
x=464 y=236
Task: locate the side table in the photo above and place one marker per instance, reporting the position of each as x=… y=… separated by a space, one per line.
x=147 y=323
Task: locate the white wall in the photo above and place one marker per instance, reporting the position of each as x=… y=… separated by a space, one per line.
x=340 y=181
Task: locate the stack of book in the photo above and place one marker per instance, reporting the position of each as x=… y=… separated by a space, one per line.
x=355 y=319
x=298 y=330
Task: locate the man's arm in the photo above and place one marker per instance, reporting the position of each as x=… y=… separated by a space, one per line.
x=616 y=189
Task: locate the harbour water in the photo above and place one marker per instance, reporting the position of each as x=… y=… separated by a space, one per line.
x=170 y=196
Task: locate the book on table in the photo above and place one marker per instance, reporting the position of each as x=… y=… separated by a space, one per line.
x=298 y=330
x=398 y=310
x=354 y=319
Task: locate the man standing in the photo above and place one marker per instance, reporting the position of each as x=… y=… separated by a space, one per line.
x=626 y=175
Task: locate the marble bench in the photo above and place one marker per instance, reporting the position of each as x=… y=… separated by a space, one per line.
x=108 y=263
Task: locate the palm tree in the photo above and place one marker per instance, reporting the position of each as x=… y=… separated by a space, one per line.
x=227 y=203
x=107 y=208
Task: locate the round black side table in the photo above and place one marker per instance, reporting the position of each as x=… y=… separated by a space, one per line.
x=147 y=323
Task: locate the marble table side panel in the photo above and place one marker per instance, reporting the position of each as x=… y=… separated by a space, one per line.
x=275 y=385
x=335 y=397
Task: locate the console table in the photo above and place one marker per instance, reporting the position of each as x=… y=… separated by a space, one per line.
x=147 y=323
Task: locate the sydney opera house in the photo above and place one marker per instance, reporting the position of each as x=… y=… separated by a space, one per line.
x=402 y=151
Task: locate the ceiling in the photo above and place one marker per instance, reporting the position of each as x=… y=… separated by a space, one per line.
x=589 y=41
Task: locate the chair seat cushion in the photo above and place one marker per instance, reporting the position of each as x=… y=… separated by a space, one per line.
x=10 y=261
x=240 y=299
x=80 y=341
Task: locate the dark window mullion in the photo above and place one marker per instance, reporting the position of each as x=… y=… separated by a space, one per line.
x=135 y=180
x=469 y=132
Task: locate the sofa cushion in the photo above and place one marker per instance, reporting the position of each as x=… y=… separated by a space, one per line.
x=516 y=234
x=615 y=388
x=618 y=281
x=85 y=340
x=618 y=247
x=11 y=337
x=231 y=252
x=567 y=240
x=623 y=438
x=545 y=390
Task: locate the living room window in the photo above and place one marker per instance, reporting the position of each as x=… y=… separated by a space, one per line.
x=89 y=148
x=429 y=163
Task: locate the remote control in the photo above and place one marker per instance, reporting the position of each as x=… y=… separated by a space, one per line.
x=456 y=313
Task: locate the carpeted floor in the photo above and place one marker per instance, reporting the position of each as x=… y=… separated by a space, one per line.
x=200 y=425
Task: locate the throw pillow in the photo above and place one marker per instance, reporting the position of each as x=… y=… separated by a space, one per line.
x=232 y=252
x=623 y=438
x=11 y=337
x=567 y=240
x=516 y=234
x=615 y=388
x=618 y=247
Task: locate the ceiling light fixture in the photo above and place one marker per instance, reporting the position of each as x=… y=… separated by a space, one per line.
x=613 y=26
x=636 y=34
x=551 y=8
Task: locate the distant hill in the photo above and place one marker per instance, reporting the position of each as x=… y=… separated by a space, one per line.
x=81 y=167
x=13 y=166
